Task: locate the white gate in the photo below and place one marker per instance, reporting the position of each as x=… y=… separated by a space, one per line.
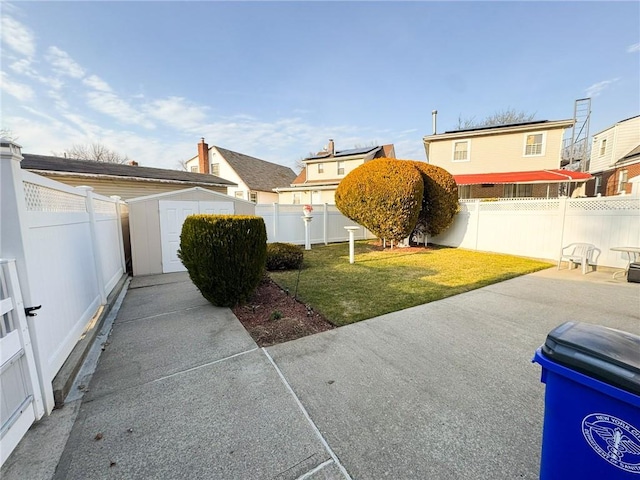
x=172 y=216
x=20 y=397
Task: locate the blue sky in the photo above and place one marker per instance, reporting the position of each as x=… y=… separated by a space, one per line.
x=276 y=80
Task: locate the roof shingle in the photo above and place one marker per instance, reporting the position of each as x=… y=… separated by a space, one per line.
x=258 y=174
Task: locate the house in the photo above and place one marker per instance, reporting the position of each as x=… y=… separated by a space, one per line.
x=615 y=158
x=323 y=172
x=506 y=161
x=255 y=179
x=126 y=181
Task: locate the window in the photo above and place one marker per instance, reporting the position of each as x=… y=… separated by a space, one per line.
x=603 y=146
x=596 y=189
x=321 y=168
x=340 y=168
x=239 y=194
x=194 y=169
x=253 y=196
x=464 y=191
x=461 y=151
x=623 y=178
x=534 y=144
x=518 y=190
x=296 y=199
x=215 y=169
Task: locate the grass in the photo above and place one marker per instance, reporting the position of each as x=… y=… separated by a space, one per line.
x=383 y=281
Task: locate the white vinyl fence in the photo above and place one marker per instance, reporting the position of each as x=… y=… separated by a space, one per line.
x=284 y=224
x=539 y=228
x=68 y=249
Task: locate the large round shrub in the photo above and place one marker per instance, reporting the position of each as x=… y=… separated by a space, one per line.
x=225 y=255
x=440 y=200
x=383 y=195
x=284 y=256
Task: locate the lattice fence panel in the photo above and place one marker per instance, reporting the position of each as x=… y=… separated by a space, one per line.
x=44 y=199
x=588 y=205
x=103 y=207
x=528 y=206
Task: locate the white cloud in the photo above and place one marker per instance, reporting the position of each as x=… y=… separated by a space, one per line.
x=177 y=112
x=18 y=37
x=18 y=90
x=597 y=88
x=23 y=67
x=63 y=63
x=633 y=48
x=97 y=83
x=110 y=104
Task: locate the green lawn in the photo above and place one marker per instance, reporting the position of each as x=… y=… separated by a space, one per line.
x=386 y=281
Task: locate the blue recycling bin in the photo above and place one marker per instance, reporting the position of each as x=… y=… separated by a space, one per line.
x=592 y=403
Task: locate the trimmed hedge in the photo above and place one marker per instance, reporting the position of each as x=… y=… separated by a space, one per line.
x=440 y=200
x=284 y=256
x=384 y=195
x=225 y=255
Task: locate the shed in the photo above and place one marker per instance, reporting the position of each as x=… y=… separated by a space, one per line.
x=156 y=222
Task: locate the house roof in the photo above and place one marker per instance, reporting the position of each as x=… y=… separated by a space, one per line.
x=44 y=163
x=258 y=174
x=344 y=153
x=535 y=176
x=631 y=155
x=500 y=129
x=615 y=125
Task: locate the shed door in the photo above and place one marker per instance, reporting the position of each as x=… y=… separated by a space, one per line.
x=172 y=216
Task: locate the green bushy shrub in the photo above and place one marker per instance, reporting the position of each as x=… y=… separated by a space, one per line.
x=225 y=255
x=384 y=195
x=284 y=256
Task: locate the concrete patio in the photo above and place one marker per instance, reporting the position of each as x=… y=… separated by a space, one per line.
x=442 y=390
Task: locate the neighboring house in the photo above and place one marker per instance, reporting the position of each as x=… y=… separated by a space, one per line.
x=615 y=158
x=323 y=172
x=506 y=161
x=255 y=179
x=126 y=181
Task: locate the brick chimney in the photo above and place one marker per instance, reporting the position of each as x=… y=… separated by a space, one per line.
x=133 y=163
x=203 y=157
x=331 y=148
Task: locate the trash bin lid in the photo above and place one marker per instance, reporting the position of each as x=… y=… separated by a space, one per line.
x=610 y=355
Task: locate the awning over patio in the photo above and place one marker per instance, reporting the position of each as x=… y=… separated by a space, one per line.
x=535 y=176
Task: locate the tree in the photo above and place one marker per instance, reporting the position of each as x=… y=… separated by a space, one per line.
x=501 y=117
x=182 y=165
x=95 y=152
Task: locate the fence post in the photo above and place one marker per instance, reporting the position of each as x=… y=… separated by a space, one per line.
x=563 y=216
x=97 y=258
x=123 y=262
x=275 y=221
x=477 y=215
x=325 y=225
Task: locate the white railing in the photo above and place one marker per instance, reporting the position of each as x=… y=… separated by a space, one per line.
x=68 y=247
x=284 y=224
x=539 y=228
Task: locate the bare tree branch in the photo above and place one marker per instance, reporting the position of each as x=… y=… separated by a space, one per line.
x=501 y=117
x=95 y=152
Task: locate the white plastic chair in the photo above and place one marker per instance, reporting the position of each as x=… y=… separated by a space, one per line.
x=578 y=254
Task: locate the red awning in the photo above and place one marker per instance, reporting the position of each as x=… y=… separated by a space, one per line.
x=535 y=176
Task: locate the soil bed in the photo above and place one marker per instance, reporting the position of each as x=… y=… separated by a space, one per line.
x=272 y=316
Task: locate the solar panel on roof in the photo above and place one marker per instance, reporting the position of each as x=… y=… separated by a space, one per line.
x=355 y=151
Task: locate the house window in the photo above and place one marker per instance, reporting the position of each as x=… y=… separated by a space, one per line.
x=464 y=191
x=518 y=190
x=603 y=146
x=340 y=168
x=321 y=168
x=596 y=189
x=253 y=196
x=296 y=199
x=461 y=151
x=623 y=178
x=194 y=169
x=240 y=194
x=215 y=169
x=534 y=144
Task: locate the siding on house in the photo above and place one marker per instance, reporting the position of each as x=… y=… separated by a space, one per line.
x=619 y=140
x=499 y=149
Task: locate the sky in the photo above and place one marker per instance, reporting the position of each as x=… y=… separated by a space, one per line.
x=277 y=80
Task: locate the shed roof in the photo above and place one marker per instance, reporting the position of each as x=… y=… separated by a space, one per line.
x=256 y=173
x=45 y=163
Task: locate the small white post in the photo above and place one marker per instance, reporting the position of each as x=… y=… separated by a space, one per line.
x=123 y=262
x=307 y=237
x=351 y=231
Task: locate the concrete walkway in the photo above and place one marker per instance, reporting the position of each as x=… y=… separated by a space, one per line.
x=443 y=390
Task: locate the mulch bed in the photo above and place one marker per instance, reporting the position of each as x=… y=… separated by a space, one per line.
x=273 y=316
